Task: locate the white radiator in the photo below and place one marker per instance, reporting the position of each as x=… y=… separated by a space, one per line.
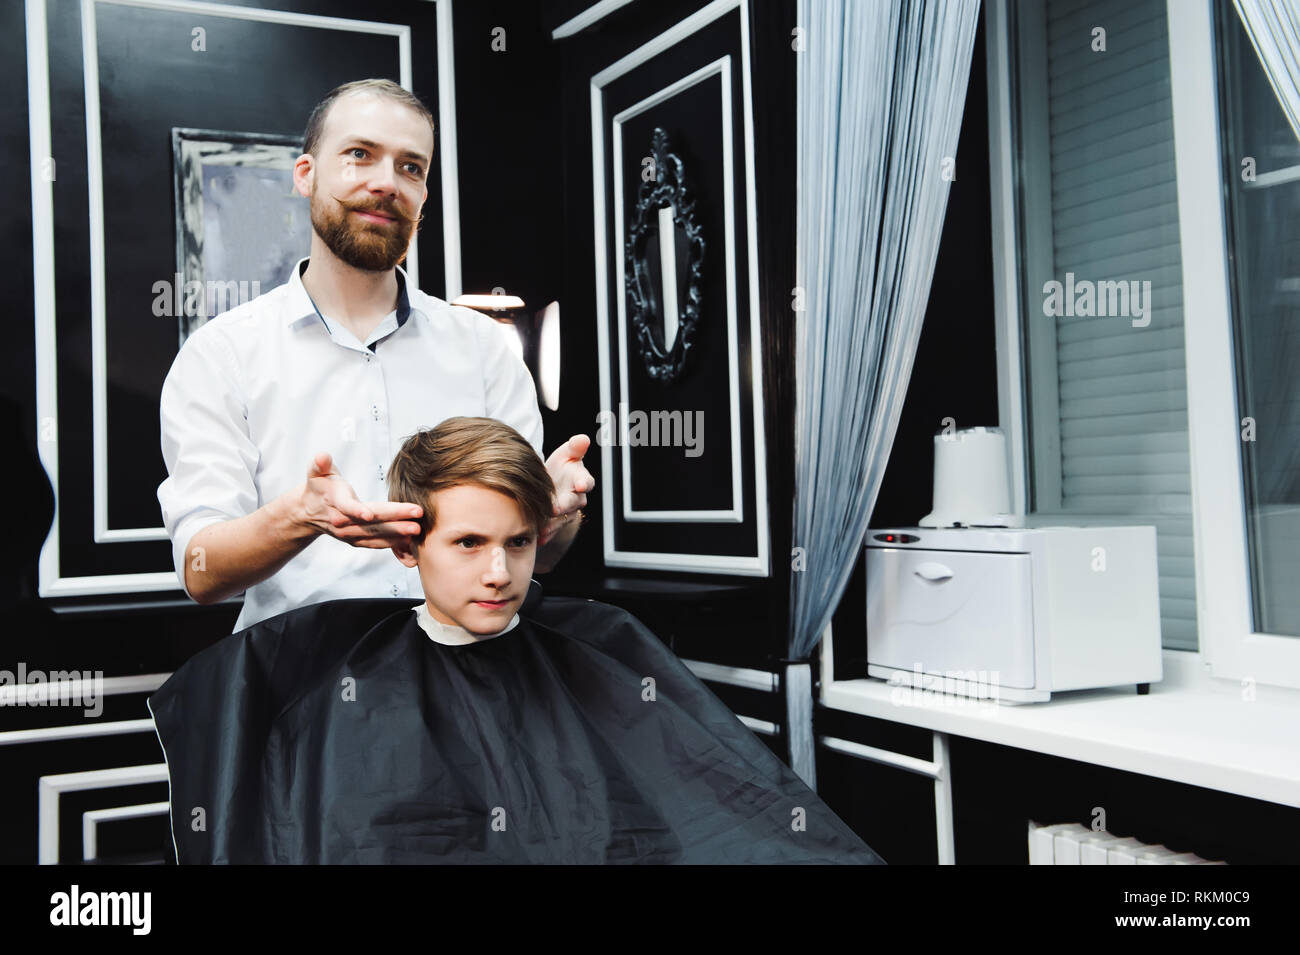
x=1069 y=843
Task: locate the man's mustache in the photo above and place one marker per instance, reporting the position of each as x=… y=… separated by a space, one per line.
x=382 y=208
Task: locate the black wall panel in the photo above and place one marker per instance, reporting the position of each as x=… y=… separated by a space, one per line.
x=257 y=77
x=665 y=478
x=247 y=76
x=755 y=608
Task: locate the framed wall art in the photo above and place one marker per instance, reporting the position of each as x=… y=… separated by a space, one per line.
x=240 y=224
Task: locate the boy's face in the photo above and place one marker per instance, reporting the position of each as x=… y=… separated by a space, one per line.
x=476 y=561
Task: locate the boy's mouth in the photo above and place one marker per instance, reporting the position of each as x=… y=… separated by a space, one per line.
x=492 y=604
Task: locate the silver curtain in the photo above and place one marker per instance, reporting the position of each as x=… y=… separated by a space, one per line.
x=882 y=86
x=1274 y=30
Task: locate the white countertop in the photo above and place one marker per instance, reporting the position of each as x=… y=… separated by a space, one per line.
x=1191 y=727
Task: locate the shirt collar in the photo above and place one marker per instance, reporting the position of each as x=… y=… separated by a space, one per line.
x=448 y=635
x=300 y=305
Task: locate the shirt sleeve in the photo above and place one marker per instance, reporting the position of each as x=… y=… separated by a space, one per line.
x=211 y=460
x=511 y=395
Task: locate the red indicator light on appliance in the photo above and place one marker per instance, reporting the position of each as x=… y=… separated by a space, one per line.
x=896 y=538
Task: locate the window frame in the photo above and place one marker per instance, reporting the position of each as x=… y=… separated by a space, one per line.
x=1234 y=649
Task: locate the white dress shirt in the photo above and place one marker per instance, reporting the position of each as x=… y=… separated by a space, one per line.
x=255 y=393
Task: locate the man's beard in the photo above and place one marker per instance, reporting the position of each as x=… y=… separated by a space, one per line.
x=358 y=242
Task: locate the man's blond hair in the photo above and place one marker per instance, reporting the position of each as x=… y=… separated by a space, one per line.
x=386 y=88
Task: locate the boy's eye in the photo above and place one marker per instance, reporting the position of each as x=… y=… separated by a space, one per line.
x=467 y=542
x=358 y=149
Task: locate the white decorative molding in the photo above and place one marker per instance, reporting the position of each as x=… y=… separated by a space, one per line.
x=764 y=680
x=95 y=182
x=938 y=768
x=760 y=564
x=54 y=734
x=765 y=727
x=586 y=18
x=24 y=694
x=50 y=788
x=449 y=166
x=91 y=819
x=736 y=513
x=52 y=583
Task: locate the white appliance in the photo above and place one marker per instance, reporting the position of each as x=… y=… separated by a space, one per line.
x=971 y=486
x=1013 y=615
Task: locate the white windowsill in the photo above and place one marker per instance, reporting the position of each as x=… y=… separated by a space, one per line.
x=1191 y=727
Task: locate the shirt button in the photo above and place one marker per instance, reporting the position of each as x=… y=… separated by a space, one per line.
x=374 y=410
x=394 y=590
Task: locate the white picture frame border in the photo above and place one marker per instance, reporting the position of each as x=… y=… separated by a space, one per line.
x=758 y=565
x=736 y=513
x=51 y=582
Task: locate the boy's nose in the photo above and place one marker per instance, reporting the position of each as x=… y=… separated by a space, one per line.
x=497 y=571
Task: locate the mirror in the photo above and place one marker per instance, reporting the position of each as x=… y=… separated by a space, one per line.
x=664 y=255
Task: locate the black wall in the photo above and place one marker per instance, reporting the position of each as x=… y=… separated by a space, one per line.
x=732 y=620
x=261 y=77
x=510 y=159
x=525 y=193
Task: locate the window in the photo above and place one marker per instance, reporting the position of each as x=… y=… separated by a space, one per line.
x=1261 y=170
x=1239 y=297
x=1100 y=280
x=1127 y=145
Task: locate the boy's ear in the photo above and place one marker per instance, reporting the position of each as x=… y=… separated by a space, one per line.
x=405 y=551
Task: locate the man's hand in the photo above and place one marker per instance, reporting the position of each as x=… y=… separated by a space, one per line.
x=243 y=551
x=330 y=506
x=572 y=482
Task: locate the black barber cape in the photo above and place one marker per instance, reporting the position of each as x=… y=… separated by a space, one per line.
x=341 y=733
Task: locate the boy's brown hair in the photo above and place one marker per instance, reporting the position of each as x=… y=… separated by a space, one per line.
x=482 y=452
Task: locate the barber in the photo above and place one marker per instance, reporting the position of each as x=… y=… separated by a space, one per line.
x=268 y=406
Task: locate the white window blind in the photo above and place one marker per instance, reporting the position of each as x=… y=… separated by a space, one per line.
x=1107 y=399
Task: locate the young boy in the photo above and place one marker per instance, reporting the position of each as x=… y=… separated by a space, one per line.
x=494 y=498
x=485 y=725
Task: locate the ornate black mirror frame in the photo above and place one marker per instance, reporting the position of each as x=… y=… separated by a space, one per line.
x=666 y=187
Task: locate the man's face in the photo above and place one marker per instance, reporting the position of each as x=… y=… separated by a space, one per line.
x=368 y=180
x=476 y=561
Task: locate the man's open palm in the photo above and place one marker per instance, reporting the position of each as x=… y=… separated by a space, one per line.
x=330 y=504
